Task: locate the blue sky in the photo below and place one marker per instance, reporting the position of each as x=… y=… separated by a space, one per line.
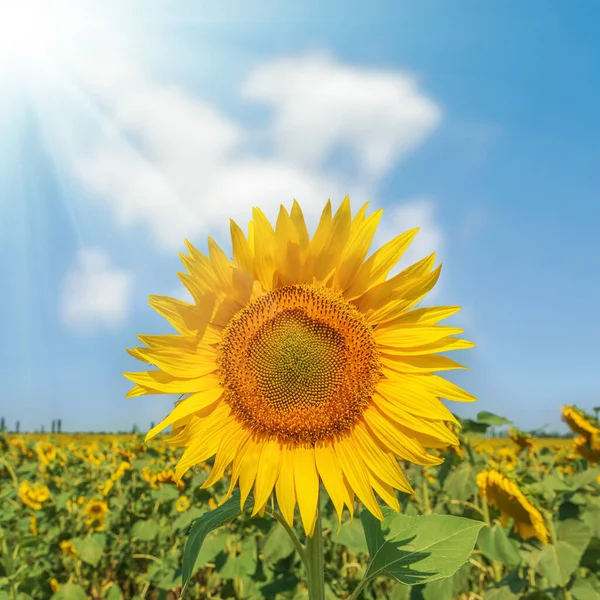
x=122 y=131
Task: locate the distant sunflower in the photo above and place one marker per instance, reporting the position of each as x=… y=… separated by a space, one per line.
x=578 y=422
x=304 y=363
x=505 y=495
x=522 y=440
x=95 y=512
x=588 y=448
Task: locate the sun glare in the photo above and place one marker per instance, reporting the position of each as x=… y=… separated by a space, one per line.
x=28 y=30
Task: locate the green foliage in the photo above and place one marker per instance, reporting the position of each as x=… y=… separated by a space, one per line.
x=148 y=537
x=418 y=549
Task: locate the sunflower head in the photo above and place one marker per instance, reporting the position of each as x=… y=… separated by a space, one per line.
x=33 y=496
x=302 y=361
x=579 y=422
x=505 y=495
x=588 y=448
x=95 y=512
x=182 y=504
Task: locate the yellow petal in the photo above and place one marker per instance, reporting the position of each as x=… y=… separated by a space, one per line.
x=206 y=443
x=287 y=248
x=333 y=479
x=159 y=381
x=407 y=296
x=417 y=364
x=182 y=363
x=432 y=428
x=422 y=316
x=306 y=483
x=356 y=473
x=331 y=253
x=446 y=344
x=221 y=265
x=300 y=226
x=264 y=249
x=405 y=392
x=380 y=294
x=385 y=491
x=322 y=231
x=236 y=468
x=438 y=386
x=407 y=336
x=266 y=475
x=187 y=406
x=284 y=487
x=183 y=316
x=243 y=255
x=248 y=469
x=390 y=436
x=378 y=265
x=356 y=251
x=230 y=443
x=382 y=463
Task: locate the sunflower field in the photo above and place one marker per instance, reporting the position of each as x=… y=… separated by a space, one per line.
x=103 y=517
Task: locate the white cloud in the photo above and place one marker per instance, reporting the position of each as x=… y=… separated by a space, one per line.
x=94 y=292
x=321 y=104
x=170 y=163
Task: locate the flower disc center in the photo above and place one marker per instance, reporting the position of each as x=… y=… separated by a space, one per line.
x=299 y=363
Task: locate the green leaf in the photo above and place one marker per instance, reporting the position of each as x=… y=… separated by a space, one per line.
x=70 y=591
x=440 y=589
x=352 y=536
x=205 y=524
x=185 y=519
x=583 y=590
x=166 y=493
x=587 y=477
x=243 y=564
x=591 y=516
x=558 y=561
x=496 y=545
x=278 y=545
x=89 y=550
x=144 y=530
x=418 y=549
x=113 y=593
x=576 y=533
x=470 y=426
x=282 y=584
x=491 y=419
x=461 y=483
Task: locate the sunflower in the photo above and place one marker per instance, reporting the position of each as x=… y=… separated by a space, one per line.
x=68 y=548
x=522 y=440
x=182 y=504
x=46 y=452
x=504 y=494
x=303 y=362
x=95 y=512
x=588 y=448
x=33 y=496
x=578 y=422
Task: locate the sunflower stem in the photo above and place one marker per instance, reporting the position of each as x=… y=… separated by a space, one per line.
x=425 y=493
x=299 y=547
x=496 y=566
x=315 y=562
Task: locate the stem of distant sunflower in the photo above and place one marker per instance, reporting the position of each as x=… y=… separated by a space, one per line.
x=554 y=540
x=315 y=562
x=496 y=566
